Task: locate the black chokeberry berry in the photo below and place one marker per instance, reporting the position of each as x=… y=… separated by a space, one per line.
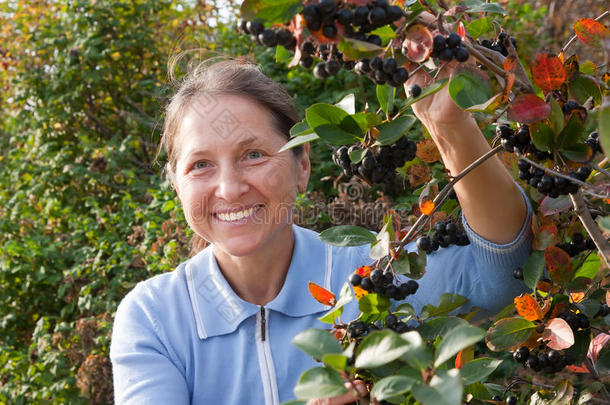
x=424 y=244
x=412 y=286
x=377 y=16
x=391 y=320
x=389 y=65
x=332 y=67
x=453 y=40
x=255 y=27
x=306 y=62
x=329 y=31
x=460 y=54
x=374 y=39
x=414 y=91
x=518 y=273
x=504 y=131
x=401 y=327
x=268 y=38
x=326 y=6
x=400 y=76
x=521 y=354
x=355 y=279
x=367 y=284
x=319 y=71
x=511 y=400
x=284 y=37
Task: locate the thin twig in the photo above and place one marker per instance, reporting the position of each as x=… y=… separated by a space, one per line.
x=567 y=45
x=599 y=169
x=584 y=215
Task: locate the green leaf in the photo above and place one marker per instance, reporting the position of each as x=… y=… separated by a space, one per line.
x=589 y=268
x=604 y=127
x=542 y=136
x=446 y=303
x=391 y=131
x=468 y=88
x=487 y=107
x=374 y=304
x=425 y=92
x=455 y=340
x=317 y=343
x=604 y=223
x=299 y=140
x=478 y=369
x=271 y=11
x=336 y=361
x=300 y=128
x=445 y=388
x=347 y=235
x=418 y=354
x=357 y=155
x=348 y=103
x=479 y=27
x=391 y=386
x=319 y=382
x=282 y=55
x=571 y=133
x=477 y=6
x=582 y=87
x=404 y=309
x=508 y=333
x=439 y=326
x=417 y=265
x=328 y=122
x=385 y=96
x=589 y=307
x=385 y=33
x=578 y=153
x=563 y=393
x=533 y=268
x=367 y=120
x=355 y=49
x=556 y=118
x=345 y=296
x=379 y=348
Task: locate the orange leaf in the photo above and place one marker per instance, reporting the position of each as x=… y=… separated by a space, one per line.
x=559 y=265
x=464 y=356
x=558 y=334
x=360 y=292
x=426 y=205
x=322 y=295
x=578 y=369
x=590 y=32
x=417 y=43
x=427 y=151
x=528 y=108
x=418 y=174
x=510 y=63
x=364 y=271
x=528 y=308
x=577 y=296
x=510 y=81
x=548 y=72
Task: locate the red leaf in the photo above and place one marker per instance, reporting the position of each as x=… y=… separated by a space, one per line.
x=578 y=369
x=596 y=345
x=559 y=265
x=528 y=308
x=528 y=108
x=417 y=43
x=322 y=295
x=548 y=72
x=558 y=334
x=590 y=32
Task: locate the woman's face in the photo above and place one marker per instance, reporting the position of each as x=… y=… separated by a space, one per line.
x=236 y=191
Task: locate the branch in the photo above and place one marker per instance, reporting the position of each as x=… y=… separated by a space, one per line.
x=583 y=213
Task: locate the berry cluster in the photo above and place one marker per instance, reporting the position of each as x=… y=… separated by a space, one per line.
x=510 y=399
x=498 y=44
x=382 y=283
x=448 y=48
x=577 y=245
x=376 y=168
x=382 y=71
x=576 y=321
x=267 y=36
x=519 y=141
x=550 y=362
x=445 y=233
x=550 y=185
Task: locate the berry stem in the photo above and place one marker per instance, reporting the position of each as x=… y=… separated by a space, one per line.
x=584 y=215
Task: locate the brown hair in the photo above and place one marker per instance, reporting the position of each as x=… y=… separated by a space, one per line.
x=227 y=76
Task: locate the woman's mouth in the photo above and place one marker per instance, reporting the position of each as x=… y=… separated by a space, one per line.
x=236 y=215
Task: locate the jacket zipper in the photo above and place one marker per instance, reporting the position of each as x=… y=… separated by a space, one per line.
x=265 y=361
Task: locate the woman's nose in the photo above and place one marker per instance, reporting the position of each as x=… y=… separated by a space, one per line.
x=231 y=183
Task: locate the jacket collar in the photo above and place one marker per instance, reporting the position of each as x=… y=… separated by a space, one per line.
x=218 y=310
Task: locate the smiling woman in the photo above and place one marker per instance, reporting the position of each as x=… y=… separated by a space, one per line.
x=218 y=329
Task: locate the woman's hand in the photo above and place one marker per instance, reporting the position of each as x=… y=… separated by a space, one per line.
x=490 y=199
x=347 y=398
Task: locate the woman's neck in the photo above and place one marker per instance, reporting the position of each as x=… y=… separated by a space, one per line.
x=258 y=278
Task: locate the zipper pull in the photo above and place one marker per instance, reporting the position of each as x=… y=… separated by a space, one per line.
x=263 y=324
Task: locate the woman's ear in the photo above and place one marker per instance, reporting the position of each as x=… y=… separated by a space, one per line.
x=304 y=169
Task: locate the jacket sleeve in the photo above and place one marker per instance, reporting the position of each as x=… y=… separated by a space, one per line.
x=143 y=368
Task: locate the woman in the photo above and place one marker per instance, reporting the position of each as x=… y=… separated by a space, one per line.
x=218 y=329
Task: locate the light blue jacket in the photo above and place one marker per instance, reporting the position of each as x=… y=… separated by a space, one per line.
x=185 y=337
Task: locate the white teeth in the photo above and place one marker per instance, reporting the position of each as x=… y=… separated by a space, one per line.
x=234 y=216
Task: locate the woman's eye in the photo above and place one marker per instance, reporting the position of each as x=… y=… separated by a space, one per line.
x=254 y=155
x=200 y=165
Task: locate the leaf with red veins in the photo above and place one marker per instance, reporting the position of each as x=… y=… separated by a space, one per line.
x=590 y=32
x=558 y=334
x=559 y=265
x=528 y=108
x=548 y=72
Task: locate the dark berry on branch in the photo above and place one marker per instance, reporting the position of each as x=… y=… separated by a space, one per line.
x=319 y=71
x=446 y=55
x=332 y=67
x=486 y=43
x=362 y=67
x=374 y=39
x=583 y=172
x=518 y=273
x=355 y=279
x=582 y=321
x=439 y=43
x=243 y=26
x=523 y=165
x=268 y=38
x=376 y=276
x=553 y=356
x=401 y=327
x=509 y=143
x=424 y=244
x=377 y=16
x=389 y=65
x=326 y=6
x=256 y=40
x=376 y=63
x=307 y=48
x=394 y=13
x=414 y=91
x=412 y=286
x=284 y=37
x=255 y=27
x=391 y=320
x=361 y=15
x=311 y=12
x=453 y=40
x=348 y=64
x=306 y=62
x=391 y=291
x=532 y=362
x=511 y=400
x=381 y=3
x=345 y=16
x=504 y=131
x=523 y=136
x=329 y=31
x=381 y=77
x=521 y=354
x=502 y=37
x=367 y=284
x=460 y=54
